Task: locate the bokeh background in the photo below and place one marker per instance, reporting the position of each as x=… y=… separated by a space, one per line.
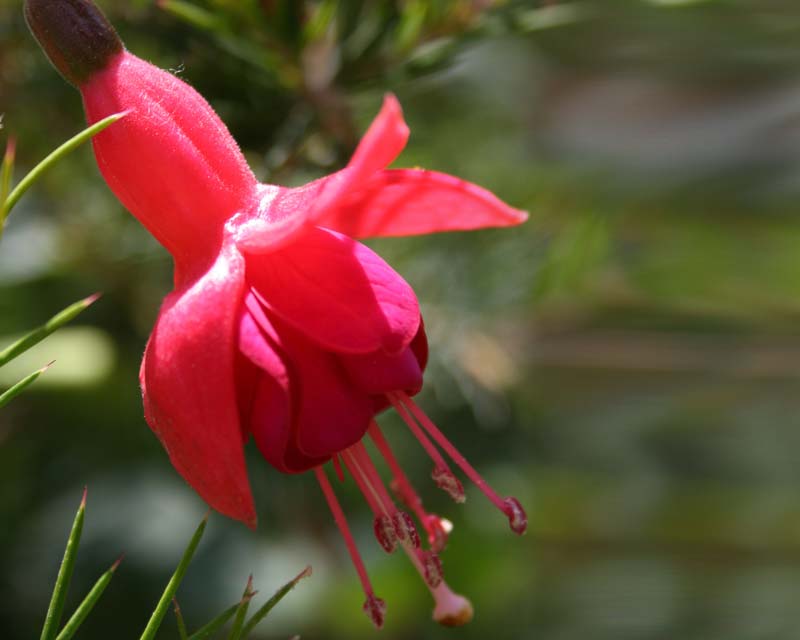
x=627 y=363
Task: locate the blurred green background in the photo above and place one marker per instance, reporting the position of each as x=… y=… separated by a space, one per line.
x=627 y=363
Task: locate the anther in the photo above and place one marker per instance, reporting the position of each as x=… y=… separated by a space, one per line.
x=446 y=480
x=375 y=608
x=386 y=533
x=432 y=568
x=517 y=518
x=405 y=529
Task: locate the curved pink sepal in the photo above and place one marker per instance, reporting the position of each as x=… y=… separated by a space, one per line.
x=404 y=202
x=337 y=292
x=187 y=379
x=289 y=210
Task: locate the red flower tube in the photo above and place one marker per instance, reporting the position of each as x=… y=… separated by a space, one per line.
x=281 y=326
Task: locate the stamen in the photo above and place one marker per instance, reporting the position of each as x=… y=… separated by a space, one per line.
x=447 y=482
x=442 y=475
x=386 y=533
x=432 y=566
x=404 y=526
x=509 y=506
x=374 y=607
x=382 y=526
x=426 y=563
x=516 y=516
x=337 y=467
x=437 y=528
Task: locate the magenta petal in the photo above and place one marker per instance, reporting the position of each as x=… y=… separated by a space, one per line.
x=378 y=373
x=328 y=413
x=187 y=379
x=274 y=431
x=277 y=399
x=332 y=413
x=258 y=347
x=404 y=202
x=337 y=292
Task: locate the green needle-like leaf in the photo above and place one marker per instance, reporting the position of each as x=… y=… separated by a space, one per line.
x=70 y=145
x=259 y=615
x=191 y=13
x=40 y=333
x=6 y=173
x=88 y=603
x=241 y=611
x=179 y=618
x=53 y=618
x=13 y=392
x=172 y=586
x=217 y=623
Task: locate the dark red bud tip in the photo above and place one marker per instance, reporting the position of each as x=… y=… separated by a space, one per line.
x=74 y=34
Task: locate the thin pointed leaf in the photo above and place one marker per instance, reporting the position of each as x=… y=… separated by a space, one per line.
x=241 y=611
x=179 y=619
x=217 y=623
x=6 y=173
x=53 y=618
x=8 y=395
x=191 y=13
x=172 y=586
x=88 y=603
x=259 y=615
x=70 y=145
x=40 y=333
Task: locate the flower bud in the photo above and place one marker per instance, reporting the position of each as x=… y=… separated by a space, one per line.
x=74 y=34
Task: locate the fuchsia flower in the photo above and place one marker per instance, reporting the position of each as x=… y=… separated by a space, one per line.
x=281 y=325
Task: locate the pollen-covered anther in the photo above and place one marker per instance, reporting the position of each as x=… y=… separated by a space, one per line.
x=432 y=567
x=375 y=608
x=405 y=528
x=386 y=533
x=517 y=518
x=447 y=482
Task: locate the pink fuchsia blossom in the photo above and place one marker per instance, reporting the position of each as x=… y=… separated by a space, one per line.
x=281 y=325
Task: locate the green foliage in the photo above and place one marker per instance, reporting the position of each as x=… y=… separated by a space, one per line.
x=241 y=628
